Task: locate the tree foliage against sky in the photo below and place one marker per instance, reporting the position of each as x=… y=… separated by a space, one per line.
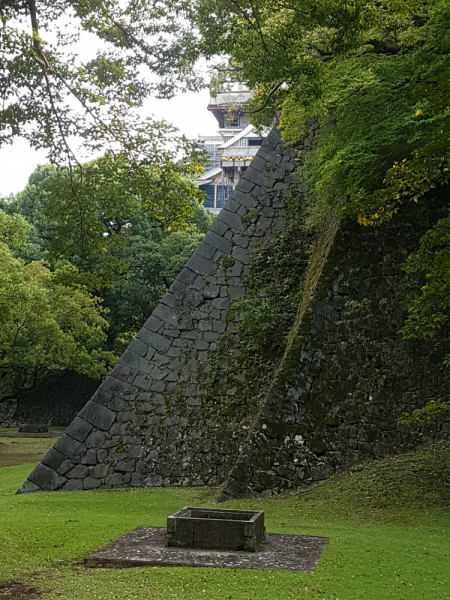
x=77 y=108
x=49 y=94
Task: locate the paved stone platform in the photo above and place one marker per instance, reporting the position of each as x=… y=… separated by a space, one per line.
x=144 y=547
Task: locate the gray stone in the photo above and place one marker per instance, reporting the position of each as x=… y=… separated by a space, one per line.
x=54 y=459
x=91 y=484
x=116 y=387
x=65 y=467
x=231 y=219
x=218 y=242
x=134 y=451
x=242 y=255
x=153 y=324
x=103 y=396
x=244 y=186
x=124 y=466
x=117 y=404
x=79 y=429
x=114 y=480
x=153 y=480
x=78 y=472
x=170 y=300
x=166 y=314
x=99 y=416
x=73 y=485
x=206 y=249
x=69 y=447
x=101 y=455
x=186 y=276
x=99 y=471
x=160 y=343
x=47 y=479
x=28 y=487
x=121 y=371
x=201 y=265
x=95 y=440
x=90 y=458
x=139 y=347
x=135 y=361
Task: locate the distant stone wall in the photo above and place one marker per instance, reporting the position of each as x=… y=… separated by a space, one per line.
x=55 y=403
x=177 y=410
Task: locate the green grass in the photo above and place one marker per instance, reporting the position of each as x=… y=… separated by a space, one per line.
x=388 y=527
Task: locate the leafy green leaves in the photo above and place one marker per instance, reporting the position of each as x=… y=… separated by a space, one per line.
x=45 y=324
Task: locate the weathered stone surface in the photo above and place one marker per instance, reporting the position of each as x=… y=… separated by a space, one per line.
x=145 y=547
x=99 y=416
x=78 y=472
x=179 y=408
x=69 y=447
x=54 y=459
x=33 y=428
x=46 y=479
x=27 y=487
x=91 y=484
x=79 y=429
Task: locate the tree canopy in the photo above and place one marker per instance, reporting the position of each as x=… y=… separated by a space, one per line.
x=45 y=325
x=63 y=309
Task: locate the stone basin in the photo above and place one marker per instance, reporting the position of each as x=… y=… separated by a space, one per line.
x=216 y=529
x=33 y=428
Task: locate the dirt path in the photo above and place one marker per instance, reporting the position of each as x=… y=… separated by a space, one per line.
x=15 y=590
x=20 y=450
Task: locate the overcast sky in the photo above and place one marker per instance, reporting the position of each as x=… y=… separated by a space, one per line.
x=186 y=111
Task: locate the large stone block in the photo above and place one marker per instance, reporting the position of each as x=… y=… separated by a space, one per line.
x=79 y=429
x=99 y=416
x=45 y=478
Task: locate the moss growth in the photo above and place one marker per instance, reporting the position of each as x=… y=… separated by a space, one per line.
x=244 y=363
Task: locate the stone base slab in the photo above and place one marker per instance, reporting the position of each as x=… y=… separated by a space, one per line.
x=144 y=547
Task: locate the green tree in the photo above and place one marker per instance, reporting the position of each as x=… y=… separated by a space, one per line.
x=134 y=248
x=45 y=325
x=154 y=258
x=49 y=94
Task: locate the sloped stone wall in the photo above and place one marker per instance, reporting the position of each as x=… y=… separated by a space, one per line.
x=176 y=411
x=151 y=422
x=348 y=375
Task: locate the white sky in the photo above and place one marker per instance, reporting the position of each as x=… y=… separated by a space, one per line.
x=187 y=112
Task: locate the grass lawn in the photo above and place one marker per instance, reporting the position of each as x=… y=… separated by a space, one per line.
x=388 y=524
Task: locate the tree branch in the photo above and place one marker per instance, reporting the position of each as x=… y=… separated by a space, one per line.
x=252 y=112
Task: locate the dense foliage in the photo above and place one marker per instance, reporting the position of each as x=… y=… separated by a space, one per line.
x=68 y=302
x=45 y=325
x=49 y=93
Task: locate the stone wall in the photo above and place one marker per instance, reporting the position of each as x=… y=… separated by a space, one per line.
x=348 y=376
x=182 y=408
x=56 y=403
x=154 y=420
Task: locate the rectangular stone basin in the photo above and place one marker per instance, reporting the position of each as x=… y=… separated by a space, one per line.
x=216 y=529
